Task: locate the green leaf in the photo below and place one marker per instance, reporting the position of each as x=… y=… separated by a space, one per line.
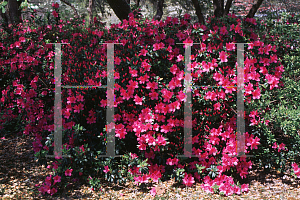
x=4 y=3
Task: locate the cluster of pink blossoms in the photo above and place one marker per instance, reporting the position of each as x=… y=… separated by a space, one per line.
x=296 y=169
x=225 y=183
x=55 y=6
x=46 y=187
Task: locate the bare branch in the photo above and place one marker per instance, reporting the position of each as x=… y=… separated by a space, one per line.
x=227 y=7
x=74 y=9
x=254 y=9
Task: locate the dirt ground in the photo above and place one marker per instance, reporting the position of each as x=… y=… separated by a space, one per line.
x=19 y=173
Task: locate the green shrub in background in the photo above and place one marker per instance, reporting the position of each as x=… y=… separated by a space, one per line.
x=284 y=103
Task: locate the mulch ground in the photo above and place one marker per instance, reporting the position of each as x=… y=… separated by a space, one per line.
x=19 y=173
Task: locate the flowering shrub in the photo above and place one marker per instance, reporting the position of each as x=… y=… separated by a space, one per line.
x=149 y=98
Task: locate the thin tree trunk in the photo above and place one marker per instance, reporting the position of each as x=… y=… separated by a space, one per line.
x=159 y=11
x=137 y=3
x=120 y=7
x=198 y=11
x=90 y=10
x=218 y=8
x=73 y=8
x=254 y=9
x=227 y=7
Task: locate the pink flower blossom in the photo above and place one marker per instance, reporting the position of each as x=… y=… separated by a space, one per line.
x=153 y=191
x=244 y=188
x=158 y=46
x=188 y=180
x=188 y=42
x=68 y=172
x=55 y=5
x=187 y=16
x=223 y=56
x=256 y=94
x=180 y=58
x=143 y=52
x=223 y=30
x=274 y=145
x=22 y=39
x=48 y=180
x=54 y=13
x=53 y=191
x=281 y=147
x=42 y=189
x=155 y=176
x=174 y=69
x=133 y=155
x=106 y=169
x=171 y=161
x=138 y=100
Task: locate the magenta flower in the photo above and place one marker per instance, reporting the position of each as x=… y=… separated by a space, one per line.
x=274 y=146
x=180 y=58
x=188 y=180
x=143 y=52
x=106 y=169
x=281 y=147
x=55 y=5
x=68 y=172
x=187 y=16
x=223 y=56
x=153 y=191
x=256 y=94
x=244 y=188
x=188 y=42
x=53 y=191
x=223 y=30
x=54 y=13
x=133 y=156
x=42 y=190
x=48 y=180
x=55 y=165
x=56 y=179
x=82 y=148
x=158 y=46
x=155 y=176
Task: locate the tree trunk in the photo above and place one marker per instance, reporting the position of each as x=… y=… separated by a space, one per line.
x=254 y=9
x=227 y=7
x=137 y=2
x=159 y=11
x=218 y=8
x=198 y=11
x=90 y=10
x=12 y=13
x=120 y=7
x=74 y=9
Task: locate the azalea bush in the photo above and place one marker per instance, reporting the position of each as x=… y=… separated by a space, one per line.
x=149 y=98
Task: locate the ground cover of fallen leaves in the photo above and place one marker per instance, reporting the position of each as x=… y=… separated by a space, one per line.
x=19 y=173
